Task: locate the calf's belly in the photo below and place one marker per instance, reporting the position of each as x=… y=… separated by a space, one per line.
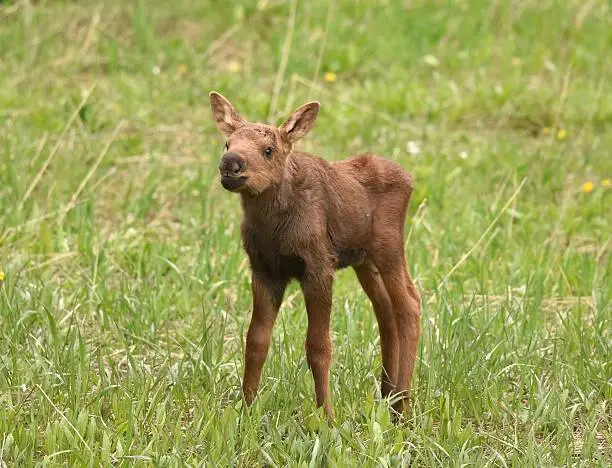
x=350 y=257
x=351 y=227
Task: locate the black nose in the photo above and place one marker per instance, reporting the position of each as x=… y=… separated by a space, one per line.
x=232 y=165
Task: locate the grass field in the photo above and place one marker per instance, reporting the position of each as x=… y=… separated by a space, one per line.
x=124 y=292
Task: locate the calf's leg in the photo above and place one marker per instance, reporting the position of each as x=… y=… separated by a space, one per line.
x=317 y=288
x=406 y=308
x=267 y=298
x=372 y=284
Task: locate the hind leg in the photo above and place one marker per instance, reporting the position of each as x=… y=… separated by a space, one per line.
x=405 y=302
x=372 y=284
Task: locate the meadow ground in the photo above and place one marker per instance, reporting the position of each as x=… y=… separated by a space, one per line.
x=125 y=295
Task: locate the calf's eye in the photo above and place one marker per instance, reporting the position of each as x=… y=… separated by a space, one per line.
x=226 y=146
x=268 y=152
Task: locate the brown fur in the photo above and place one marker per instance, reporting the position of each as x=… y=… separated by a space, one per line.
x=304 y=218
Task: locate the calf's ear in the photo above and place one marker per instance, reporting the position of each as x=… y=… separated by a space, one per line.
x=300 y=122
x=225 y=114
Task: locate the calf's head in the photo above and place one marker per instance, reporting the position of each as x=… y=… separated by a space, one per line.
x=255 y=154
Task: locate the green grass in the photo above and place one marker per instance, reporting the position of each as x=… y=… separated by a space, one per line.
x=126 y=293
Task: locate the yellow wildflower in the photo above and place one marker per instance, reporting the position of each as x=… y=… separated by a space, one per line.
x=546 y=131
x=182 y=69
x=1 y=276
x=562 y=134
x=607 y=183
x=234 y=67
x=330 y=77
x=588 y=187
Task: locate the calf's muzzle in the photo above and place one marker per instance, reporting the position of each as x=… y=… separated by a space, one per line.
x=232 y=165
x=231 y=168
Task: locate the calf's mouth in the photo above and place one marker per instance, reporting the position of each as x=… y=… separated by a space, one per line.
x=233 y=183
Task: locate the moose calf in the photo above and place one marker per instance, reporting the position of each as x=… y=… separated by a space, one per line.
x=304 y=218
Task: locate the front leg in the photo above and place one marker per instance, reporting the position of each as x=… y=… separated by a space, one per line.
x=317 y=288
x=267 y=298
